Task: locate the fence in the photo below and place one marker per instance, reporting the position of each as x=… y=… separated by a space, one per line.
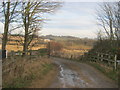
x=110 y=59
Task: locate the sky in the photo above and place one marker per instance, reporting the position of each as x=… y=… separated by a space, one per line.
x=89 y=0
x=75 y=18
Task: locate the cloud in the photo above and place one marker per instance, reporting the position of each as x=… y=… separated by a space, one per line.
x=90 y=0
x=76 y=19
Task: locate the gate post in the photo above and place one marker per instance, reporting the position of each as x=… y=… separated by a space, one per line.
x=3 y=54
x=49 y=50
x=115 y=62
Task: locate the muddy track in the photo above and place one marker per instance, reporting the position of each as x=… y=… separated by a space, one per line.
x=79 y=75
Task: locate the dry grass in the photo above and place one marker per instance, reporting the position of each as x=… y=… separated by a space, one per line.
x=72 y=53
x=23 y=71
x=85 y=47
x=45 y=81
x=20 y=48
x=107 y=70
x=14 y=48
x=13 y=45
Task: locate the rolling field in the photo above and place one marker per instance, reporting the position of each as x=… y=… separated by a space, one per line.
x=70 y=44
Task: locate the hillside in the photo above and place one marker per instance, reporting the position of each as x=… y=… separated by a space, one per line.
x=71 y=39
x=60 y=37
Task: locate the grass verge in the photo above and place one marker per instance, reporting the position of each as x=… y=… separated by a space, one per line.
x=31 y=70
x=108 y=72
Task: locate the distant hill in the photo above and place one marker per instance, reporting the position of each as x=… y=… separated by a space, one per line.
x=60 y=37
x=71 y=39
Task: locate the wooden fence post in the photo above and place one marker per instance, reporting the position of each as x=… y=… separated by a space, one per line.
x=115 y=62
x=101 y=57
x=98 y=57
x=108 y=60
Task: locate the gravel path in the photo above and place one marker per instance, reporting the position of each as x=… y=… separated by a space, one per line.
x=79 y=75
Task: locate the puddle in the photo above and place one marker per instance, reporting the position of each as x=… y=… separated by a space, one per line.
x=84 y=78
x=70 y=78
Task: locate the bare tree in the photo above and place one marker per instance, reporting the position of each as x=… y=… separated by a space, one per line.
x=117 y=20
x=108 y=18
x=117 y=25
x=8 y=11
x=105 y=18
x=32 y=18
x=54 y=47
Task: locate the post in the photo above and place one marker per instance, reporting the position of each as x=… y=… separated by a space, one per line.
x=98 y=57
x=0 y=54
x=108 y=60
x=49 y=49
x=3 y=54
x=101 y=57
x=115 y=62
x=71 y=57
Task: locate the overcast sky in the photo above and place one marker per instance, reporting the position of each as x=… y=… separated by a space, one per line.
x=90 y=0
x=75 y=18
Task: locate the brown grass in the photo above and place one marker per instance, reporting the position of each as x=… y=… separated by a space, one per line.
x=20 y=48
x=72 y=53
x=15 y=46
x=46 y=80
x=79 y=47
x=23 y=71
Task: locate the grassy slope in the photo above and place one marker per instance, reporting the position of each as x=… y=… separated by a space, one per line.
x=24 y=72
x=108 y=72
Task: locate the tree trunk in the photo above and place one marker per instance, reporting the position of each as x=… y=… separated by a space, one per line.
x=6 y=28
x=26 y=37
x=25 y=46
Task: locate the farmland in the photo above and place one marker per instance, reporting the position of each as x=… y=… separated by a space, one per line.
x=70 y=44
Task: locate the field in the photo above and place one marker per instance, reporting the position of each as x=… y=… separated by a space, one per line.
x=72 y=46
x=20 y=48
x=15 y=44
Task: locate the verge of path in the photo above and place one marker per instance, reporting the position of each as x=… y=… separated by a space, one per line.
x=89 y=76
x=46 y=80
